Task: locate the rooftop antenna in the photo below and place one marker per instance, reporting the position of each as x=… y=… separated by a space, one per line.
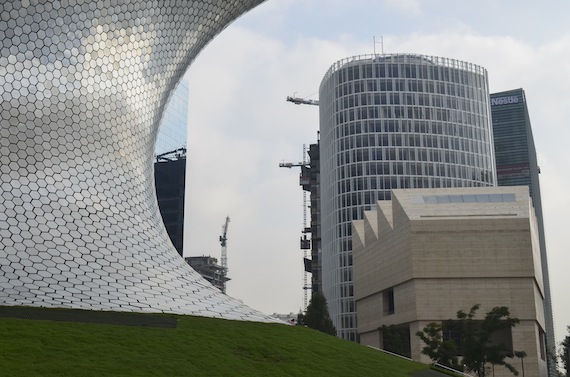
x=381 y=44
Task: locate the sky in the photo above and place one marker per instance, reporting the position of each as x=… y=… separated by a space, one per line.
x=241 y=127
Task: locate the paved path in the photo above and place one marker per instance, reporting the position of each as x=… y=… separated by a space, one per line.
x=429 y=373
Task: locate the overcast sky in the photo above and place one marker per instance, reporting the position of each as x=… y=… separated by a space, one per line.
x=241 y=127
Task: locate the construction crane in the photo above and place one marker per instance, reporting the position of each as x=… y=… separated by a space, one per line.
x=305 y=243
x=224 y=243
x=302 y=101
x=304 y=165
x=292 y=164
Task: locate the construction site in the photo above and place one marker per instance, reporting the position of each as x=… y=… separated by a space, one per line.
x=207 y=266
x=170 y=185
x=310 y=238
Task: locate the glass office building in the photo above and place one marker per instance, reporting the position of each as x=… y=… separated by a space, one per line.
x=517 y=165
x=515 y=153
x=170 y=164
x=387 y=122
x=172 y=133
x=170 y=183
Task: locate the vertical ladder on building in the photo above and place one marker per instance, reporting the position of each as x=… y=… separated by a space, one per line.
x=304 y=242
x=306 y=287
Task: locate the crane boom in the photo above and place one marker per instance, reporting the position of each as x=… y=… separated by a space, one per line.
x=224 y=243
x=302 y=101
x=292 y=164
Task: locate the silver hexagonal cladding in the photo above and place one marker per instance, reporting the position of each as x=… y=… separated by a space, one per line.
x=83 y=85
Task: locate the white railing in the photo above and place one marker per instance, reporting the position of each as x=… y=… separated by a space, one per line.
x=452 y=370
x=407 y=58
x=436 y=364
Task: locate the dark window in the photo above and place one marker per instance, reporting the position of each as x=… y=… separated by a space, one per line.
x=388 y=301
x=396 y=339
x=451 y=331
x=542 y=341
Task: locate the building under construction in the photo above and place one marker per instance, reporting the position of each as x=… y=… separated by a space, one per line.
x=208 y=267
x=309 y=180
x=210 y=270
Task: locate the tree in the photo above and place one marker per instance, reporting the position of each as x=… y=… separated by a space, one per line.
x=478 y=347
x=521 y=355
x=300 y=318
x=439 y=350
x=317 y=315
x=565 y=353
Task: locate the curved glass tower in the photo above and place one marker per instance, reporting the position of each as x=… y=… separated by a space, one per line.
x=393 y=121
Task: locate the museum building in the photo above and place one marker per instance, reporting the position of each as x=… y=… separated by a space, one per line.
x=428 y=253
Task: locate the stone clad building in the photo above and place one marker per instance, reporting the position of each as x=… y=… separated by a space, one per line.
x=428 y=253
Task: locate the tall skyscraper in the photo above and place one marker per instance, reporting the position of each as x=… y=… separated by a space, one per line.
x=517 y=165
x=170 y=183
x=170 y=165
x=172 y=132
x=387 y=122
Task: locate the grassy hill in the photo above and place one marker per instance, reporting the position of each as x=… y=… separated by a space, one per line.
x=194 y=347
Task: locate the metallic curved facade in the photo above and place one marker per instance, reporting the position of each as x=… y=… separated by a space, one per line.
x=393 y=121
x=83 y=86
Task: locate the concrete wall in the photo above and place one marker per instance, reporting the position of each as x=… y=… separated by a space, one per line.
x=441 y=258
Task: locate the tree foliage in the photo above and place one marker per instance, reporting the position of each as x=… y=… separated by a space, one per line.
x=439 y=350
x=317 y=315
x=396 y=339
x=478 y=347
x=565 y=353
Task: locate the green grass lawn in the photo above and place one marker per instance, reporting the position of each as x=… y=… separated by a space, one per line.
x=196 y=347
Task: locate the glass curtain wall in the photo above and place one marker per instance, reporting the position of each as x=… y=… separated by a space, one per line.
x=393 y=121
